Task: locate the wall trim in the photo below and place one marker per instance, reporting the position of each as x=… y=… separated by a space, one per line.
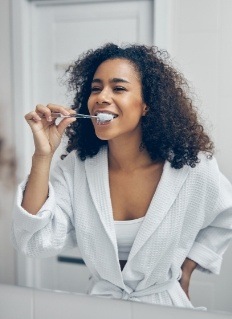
x=58 y=2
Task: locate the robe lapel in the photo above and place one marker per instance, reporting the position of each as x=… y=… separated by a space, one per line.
x=98 y=181
x=165 y=195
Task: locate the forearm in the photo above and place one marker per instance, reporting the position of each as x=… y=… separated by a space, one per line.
x=36 y=191
x=189 y=266
x=187 y=270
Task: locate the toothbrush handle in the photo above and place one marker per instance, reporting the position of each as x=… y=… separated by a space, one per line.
x=84 y=116
x=59 y=115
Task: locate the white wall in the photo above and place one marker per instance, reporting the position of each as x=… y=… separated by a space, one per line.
x=7 y=255
x=5 y=72
x=198 y=37
x=197 y=34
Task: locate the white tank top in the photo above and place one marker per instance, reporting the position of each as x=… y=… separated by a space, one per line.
x=126 y=231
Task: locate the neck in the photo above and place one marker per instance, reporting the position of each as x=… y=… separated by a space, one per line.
x=127 y=155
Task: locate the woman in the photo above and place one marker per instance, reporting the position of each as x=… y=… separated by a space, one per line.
x=141 y=195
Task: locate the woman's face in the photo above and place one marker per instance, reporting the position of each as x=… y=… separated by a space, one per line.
x=116 y=88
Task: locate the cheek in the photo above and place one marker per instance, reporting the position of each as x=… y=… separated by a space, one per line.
x=132 y=117
x=136 y=107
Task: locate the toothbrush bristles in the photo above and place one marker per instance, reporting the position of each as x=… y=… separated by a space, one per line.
x=104 y=117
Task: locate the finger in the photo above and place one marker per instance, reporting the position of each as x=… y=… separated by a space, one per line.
x=32 y=116
x=59 y=109
x=64 y=124
x=44 y=112
x=71 y=111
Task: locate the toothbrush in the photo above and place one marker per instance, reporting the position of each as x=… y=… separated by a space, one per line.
x=101 y=117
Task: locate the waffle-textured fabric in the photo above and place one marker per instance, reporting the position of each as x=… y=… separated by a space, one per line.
x=190 y=215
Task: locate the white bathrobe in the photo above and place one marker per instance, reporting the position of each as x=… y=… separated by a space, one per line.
x=190 y=215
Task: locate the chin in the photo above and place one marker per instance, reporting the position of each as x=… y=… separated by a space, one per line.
x=103 y=137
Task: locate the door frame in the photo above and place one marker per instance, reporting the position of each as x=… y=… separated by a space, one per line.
x=28 y=269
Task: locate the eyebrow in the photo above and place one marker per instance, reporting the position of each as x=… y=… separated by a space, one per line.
x=114 y=80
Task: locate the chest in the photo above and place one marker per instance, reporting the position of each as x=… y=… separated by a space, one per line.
x=132 y=193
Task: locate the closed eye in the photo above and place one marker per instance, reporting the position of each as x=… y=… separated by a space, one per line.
x=95 y=89
x=119 y=88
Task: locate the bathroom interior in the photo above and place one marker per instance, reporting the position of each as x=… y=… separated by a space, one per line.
x=38 y=40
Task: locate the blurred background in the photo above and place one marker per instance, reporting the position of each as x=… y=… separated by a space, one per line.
x=39 y=39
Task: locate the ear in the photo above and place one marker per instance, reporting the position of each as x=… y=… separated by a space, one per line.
x=145 y=109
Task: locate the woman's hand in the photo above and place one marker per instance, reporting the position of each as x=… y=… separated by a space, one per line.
x=47 y=135
x=187 y=270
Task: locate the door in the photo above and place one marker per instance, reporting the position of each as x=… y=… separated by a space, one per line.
x=59 y=33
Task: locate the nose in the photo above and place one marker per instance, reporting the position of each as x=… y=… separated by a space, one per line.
x=103 y=103
x=103 y=97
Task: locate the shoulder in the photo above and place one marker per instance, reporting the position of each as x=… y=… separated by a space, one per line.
x=205 y=176
x=73 y=164
x=69 y=164
x=66 y=171
x=208 y=178
x=71 y=159
x=207 y=166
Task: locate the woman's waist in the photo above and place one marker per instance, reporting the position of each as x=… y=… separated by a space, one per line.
x=106 y=288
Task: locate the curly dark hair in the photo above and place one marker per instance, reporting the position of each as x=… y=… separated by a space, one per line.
x=170 y=130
